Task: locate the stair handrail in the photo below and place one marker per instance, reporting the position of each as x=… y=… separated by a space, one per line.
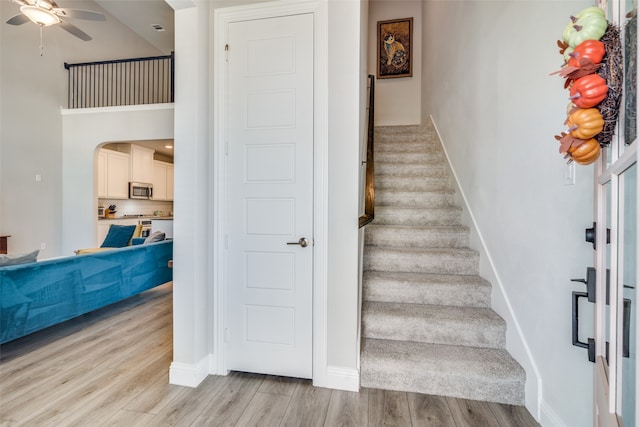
x=369 y=188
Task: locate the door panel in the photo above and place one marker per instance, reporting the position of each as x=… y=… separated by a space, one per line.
x=270 y=196
x=627 y=303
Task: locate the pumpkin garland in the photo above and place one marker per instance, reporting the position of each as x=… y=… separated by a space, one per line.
x=590 y=73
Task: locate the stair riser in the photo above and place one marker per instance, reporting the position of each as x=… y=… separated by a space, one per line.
x=376 y=260
x=442 y=384
x=418 y=238
x=415 y=199
x=423 y=293
x=433 y=330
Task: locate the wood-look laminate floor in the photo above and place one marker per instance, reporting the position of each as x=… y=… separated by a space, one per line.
x=110 y=368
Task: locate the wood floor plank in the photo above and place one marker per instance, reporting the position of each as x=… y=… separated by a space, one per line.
x=348 y=409
x=509 y=415
x=388 y=408
x=471 y=413
x=228 y=405
x=155 y=397
x=308 y=406
x=279 y=385
x=265 y=409
x=129 y=419
x=189 y=403
x=98 y=399
x=429 y=410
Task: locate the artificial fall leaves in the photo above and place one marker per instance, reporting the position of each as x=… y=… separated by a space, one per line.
x=583 y=53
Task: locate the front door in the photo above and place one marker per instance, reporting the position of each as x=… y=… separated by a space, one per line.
x=270 y=196
x=616 y=196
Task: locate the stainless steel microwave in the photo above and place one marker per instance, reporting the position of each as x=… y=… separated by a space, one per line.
x=140 y=190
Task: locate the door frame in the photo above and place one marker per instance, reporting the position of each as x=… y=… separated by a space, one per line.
x=218 y=176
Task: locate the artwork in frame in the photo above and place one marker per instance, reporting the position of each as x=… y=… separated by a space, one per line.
x=395 y=48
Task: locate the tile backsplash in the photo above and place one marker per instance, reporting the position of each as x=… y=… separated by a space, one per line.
x=133 y=207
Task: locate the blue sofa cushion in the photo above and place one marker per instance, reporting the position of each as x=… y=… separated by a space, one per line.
x=118 y=236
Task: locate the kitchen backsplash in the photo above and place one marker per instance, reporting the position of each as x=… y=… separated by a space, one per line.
x=133 y=207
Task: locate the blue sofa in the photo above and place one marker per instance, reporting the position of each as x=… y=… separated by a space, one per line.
x=36 y=295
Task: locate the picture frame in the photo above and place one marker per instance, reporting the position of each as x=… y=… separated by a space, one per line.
x=395 y=48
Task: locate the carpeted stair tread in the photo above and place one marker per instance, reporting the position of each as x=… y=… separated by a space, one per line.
x=398 y=169
x=437 y=236
x=387 y=215
x=445 y=289
x=421 y=260
x=466 y=326
x=411 y=183
x=426 y=199
x=419 y=157
x=464 y=372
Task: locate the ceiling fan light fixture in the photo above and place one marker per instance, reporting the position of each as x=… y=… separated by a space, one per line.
x=40 y=16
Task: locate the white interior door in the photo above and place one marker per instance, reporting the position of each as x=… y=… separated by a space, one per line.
x=616 y=380
x=270 y=196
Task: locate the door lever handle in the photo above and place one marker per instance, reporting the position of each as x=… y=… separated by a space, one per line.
x=304 y=242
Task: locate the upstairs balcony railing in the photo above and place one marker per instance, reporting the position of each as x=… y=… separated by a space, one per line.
x=132 y=81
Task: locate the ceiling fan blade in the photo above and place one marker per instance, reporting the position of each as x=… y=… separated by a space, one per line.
x=72 y=29
x=80 y=14
x=20 y=2
x=18 y=20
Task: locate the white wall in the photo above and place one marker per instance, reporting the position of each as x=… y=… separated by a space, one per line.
x=398 y=101
x=32 y=89
x=344 y=164
x=192 y=323
x=486 y=84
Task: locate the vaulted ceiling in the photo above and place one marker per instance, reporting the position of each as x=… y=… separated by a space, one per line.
x=141 y=16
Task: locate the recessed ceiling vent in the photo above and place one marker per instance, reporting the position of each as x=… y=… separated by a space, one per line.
x=158 y=27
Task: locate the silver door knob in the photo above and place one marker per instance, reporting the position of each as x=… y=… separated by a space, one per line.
x=304 y=242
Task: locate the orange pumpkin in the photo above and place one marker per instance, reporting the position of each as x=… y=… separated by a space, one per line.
x=585 y=123
x=585 y=153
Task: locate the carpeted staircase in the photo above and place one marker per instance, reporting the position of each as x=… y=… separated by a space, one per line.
x=426 y=318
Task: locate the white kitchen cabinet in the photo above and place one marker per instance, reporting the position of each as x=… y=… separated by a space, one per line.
x=141 y=164
x=162 y=180
x=113 y=174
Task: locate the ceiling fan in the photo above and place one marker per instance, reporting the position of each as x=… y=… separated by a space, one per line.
x=46 y=13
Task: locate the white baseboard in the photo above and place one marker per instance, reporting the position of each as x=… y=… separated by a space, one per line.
x=548 y=417
x=339 y=378
x=189 y=375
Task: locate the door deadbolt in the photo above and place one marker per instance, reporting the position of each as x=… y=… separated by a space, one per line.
x=304 y=242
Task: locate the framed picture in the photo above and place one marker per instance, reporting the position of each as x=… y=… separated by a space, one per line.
x=394 y=48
